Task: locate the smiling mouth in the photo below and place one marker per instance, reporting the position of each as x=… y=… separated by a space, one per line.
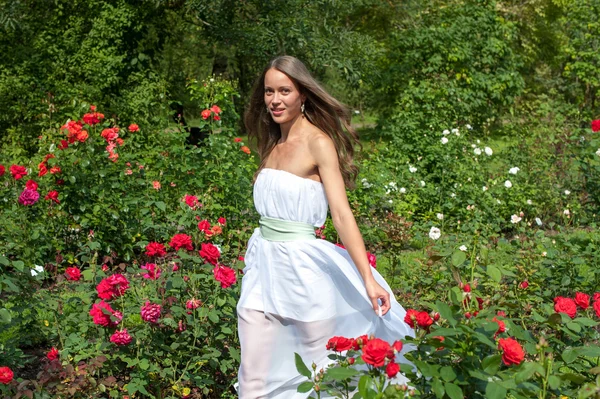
x=277 y=111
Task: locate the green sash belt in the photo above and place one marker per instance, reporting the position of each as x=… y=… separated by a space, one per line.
x=285 y=230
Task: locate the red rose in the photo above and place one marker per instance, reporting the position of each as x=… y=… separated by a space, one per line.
x=237 y=139
x=222 y=221
x=217 y=117
x=466 y=288
x=193 y=303
x=92 y=107
x=112 y=287
x=73 y=273
x=225 y=275
x=424 y=320
x=2 y=170
x=411 y=316
x=191 y=200
x=6 y=375
x=359 y=342
x=210 y=253
x=134 y=128
x=372 y=259
x=582 y=300
x=31 y=185
x=92 y=118
x=338 y=244
x=596 y=125
x=64 y=144
x=339 y=344
x=351 y=361
x=215 y=108
x=392 y=369
x=18 y=171
x=181 y=241
x=110 y=134
x=597 y=296
x=565 y=305
x=43 y=169
x=53 y=196
x=104 y=319
x=501 y=326
x=205 y=114
x=155 y=249
x=597 y=308
x=436 y=316
x=512 y=352
x=375 y=352
x=153 y=271
x=480 y=302
x=54 y=170
x=52 y=354
x=204 y=226
x=524 y=285
x=397 y=346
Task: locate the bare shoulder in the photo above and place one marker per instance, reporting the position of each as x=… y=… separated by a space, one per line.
x=321 y=145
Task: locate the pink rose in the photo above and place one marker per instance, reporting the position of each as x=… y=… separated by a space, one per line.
x=121 y=337
x=150 y=312
x=225 y=275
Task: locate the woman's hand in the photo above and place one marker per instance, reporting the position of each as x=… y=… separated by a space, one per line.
x=375 y=292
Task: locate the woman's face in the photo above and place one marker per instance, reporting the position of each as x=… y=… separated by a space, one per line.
x=282 y=97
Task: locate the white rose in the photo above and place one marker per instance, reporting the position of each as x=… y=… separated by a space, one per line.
x=455 y=131
x=469 y=126
x=402 y=190
x=566 y=212
x=445 y=132
x=477 y=151
x=36 y=270
x=538 y=221
x=435 y=233
x=529 y=202
x=507 y=184
x=513 y=171
x=444 y=140
x=598 y=152
x=463 y=248
x=567 y=192
x=412 y=169
x=440 y=216
x=515 y=219
x=488 y=151
x=422 y=183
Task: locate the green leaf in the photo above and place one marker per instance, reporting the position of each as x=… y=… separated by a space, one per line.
x=4 y=261
x=306 y=386
x=340 y=373
x=160 y=205
x=19 y=265
x=301 y=367
x=453 y=391
x=591 y=351
x=447 y=373
x=491 y=364
x=438 y=388
x=458 y=257
x=528 y=369
x=213 y=316
x=445 y=313
x=569 y=355
x=5 y=316
x=366 y=387
x=88 y=274
x=574 y=326
x=554 y=382
x=144 y=364
x=494 y=273
x=495 y=391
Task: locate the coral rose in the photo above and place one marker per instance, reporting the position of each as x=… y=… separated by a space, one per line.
x=104 y=319
x=512 y=352
x=245 y=149
x=155 y=249
x=225 y=275
x=133 y=128
x=29 y=197
x=582 y=300
x=17 y=171
x=339 y=344
x=501 y=326
x=112 y=287
x=565 y=305
x=392 y=369
x=375 y=352
x=210 y=253
x=6 y=375
x=205 y=114
x=121 y=337
x=215 y=108
x=181 y=241
x=73 y=273
x=150 y=312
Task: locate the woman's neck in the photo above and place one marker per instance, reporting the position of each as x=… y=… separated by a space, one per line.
x=291 y=129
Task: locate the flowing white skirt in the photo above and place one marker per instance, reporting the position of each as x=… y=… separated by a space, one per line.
x=295 y=296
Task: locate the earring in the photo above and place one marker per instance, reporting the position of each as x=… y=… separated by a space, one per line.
x=302 y=108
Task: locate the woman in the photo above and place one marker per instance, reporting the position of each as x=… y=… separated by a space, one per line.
x=298 y=291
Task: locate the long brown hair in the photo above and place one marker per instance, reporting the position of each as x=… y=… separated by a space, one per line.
x=320 y=108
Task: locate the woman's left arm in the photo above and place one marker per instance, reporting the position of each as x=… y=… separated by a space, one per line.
x=325 y=154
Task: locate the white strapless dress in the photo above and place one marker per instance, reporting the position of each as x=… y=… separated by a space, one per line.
x=295 y=295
